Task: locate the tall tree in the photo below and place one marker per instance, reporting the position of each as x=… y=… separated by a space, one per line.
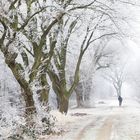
x=24 y=33
x=100 y=58
x=58 y=74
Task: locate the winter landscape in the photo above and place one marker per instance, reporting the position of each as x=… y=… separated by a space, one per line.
x=104 y=122
x=69 y=70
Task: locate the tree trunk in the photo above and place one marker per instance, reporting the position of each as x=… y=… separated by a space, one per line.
x=79 y=99
x=44 y=92
x=63 y=104
x=27 y=92
x=30 y=108
x=87 y=100
x=44 y=95
x=58 y=102
x=29 y=102
x=87 y=93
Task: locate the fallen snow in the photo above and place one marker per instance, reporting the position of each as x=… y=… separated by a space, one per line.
x=89 y=123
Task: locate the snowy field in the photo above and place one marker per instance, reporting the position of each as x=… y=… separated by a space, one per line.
x=106 y=121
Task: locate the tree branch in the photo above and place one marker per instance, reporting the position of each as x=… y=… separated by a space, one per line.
x=82 y=6
x=109 y=34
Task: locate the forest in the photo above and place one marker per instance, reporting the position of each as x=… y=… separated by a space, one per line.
x=60 y=55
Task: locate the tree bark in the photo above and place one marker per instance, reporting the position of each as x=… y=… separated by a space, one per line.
x=27 y=92
x=87 y=100
x=44 y=92
x=79 y=95
x=29 y=102
x=63 y=104
x=79 y=99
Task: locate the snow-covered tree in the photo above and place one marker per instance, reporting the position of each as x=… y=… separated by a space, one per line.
x=25 y=27
x=100 y=58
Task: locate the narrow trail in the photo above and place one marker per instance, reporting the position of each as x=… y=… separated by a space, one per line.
x=111 y=123
x=92 y=124
x=106 y=129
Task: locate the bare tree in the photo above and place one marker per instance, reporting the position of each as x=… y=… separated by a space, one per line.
x=116 y=76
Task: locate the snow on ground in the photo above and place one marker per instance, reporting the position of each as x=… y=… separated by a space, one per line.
x=106 y=121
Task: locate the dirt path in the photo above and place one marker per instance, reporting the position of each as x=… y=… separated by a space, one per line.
x=82 y=133
x=108 y=123
x=105 y=131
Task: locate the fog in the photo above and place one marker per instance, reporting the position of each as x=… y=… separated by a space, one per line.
x=58 y=55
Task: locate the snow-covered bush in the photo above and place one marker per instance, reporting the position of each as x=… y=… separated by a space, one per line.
x=14 y=127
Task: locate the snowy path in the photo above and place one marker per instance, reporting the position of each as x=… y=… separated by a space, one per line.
x=87 y=128
x=102 y=123
x=105 y=130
